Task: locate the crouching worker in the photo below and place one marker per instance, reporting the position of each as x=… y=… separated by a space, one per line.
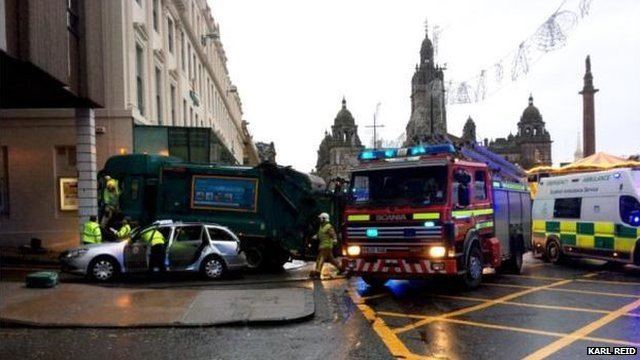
x=156 y=258
x=327 y=238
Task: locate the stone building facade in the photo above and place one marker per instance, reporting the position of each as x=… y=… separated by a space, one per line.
x=531 y=146
x=428 y=119
x=338 y=152
x=155 y=74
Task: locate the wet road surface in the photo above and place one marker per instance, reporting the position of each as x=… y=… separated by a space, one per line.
x=549 y=311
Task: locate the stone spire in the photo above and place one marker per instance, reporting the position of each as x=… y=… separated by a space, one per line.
x=588 y=111
x=577 y=155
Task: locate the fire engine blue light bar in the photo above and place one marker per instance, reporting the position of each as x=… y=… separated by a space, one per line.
x=377 y=154
x=372 y=232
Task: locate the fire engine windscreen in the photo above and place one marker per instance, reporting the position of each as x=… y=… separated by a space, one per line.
x=414 y=186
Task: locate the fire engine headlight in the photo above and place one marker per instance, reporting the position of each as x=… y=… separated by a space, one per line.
x=353 y=250
x=437 y=251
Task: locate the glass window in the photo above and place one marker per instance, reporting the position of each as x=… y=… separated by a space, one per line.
x=173 y=104
x=140 y=78
x=568 y=208
x=154 y=12
x=188 y=233
x=217 y=234
x=410 y=186
x=4 y=181
x=183 y=61
x=629 y=210
x=184 y=112
x=159 y=95
x=479 y=186
x=170 y=34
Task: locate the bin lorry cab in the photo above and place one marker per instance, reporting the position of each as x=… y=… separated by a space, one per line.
x=271 y=208
x=592 y=215
x=435 y=210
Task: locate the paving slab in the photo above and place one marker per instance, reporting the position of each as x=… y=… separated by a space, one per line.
x=79 y=305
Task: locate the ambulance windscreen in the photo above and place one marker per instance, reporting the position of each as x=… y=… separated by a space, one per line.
x=415 y=186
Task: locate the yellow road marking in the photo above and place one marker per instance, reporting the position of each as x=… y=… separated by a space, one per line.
x=534 y=277
x=567 y=290
x=504 y=327
x=582 y=332
x=371 y=297
x=486 y=304
x=610 y=282
x=590 y=275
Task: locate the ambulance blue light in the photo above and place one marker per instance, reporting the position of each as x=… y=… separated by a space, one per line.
x=390 y=153
x=372 y=232
x=635 y=220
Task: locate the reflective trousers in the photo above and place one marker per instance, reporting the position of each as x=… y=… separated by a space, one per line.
x=326 y=255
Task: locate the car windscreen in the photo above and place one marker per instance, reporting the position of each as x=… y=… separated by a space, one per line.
x=415 y=186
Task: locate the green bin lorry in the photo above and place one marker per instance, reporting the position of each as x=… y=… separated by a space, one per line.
x=273 y=209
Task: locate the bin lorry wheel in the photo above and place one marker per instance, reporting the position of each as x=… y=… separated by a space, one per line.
x=473 y=266
x=374 y=282
x=255 y=257
x=213 y=268
x=554 y=252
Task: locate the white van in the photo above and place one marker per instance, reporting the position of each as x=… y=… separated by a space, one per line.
x=593 y=215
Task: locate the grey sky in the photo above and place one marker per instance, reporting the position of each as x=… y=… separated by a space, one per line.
x=294 y=60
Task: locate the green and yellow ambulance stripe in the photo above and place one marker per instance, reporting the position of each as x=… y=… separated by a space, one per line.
x=603 y=236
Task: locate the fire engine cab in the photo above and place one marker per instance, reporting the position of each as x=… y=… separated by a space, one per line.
x=435 y=210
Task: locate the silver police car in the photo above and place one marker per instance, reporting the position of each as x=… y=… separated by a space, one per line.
x=210 y=249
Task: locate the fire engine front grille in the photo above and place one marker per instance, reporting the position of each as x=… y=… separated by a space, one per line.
x=398 y=232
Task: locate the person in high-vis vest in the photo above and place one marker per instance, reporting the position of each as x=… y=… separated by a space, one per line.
x=327 y=238
x=155 y=238
x=110 y=200
x=125 y=231
x=91 y=233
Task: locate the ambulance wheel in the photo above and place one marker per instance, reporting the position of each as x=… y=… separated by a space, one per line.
x=374 y=282
x=554 y=252
x=473 y=266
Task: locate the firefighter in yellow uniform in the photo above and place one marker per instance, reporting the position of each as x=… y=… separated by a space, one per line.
x=156 y=259
x=326 y=239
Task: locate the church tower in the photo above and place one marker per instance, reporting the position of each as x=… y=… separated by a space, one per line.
x=338 y=151
x=428 y=114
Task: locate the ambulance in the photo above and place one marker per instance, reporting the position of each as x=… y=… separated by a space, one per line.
x=589 y=215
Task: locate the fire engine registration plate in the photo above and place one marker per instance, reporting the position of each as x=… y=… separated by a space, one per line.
x=374 y=250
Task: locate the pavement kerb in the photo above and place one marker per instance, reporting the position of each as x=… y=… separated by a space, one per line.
x=303 y=311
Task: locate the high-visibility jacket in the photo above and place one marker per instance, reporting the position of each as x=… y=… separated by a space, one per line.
x=91 y=233
x=124 y=232
x=153 y=237
x=326 y=235
x=111 y=197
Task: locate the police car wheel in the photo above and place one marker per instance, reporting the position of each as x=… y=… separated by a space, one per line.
x=554 y=252
x=103 y=269
x=213 y=268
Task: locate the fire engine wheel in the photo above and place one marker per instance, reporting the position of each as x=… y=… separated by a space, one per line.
x=514 y=264
x=374 y=282
x=473 y=266
x=554 y=252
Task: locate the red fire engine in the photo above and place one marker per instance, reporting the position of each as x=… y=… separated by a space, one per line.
x=427 y=210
